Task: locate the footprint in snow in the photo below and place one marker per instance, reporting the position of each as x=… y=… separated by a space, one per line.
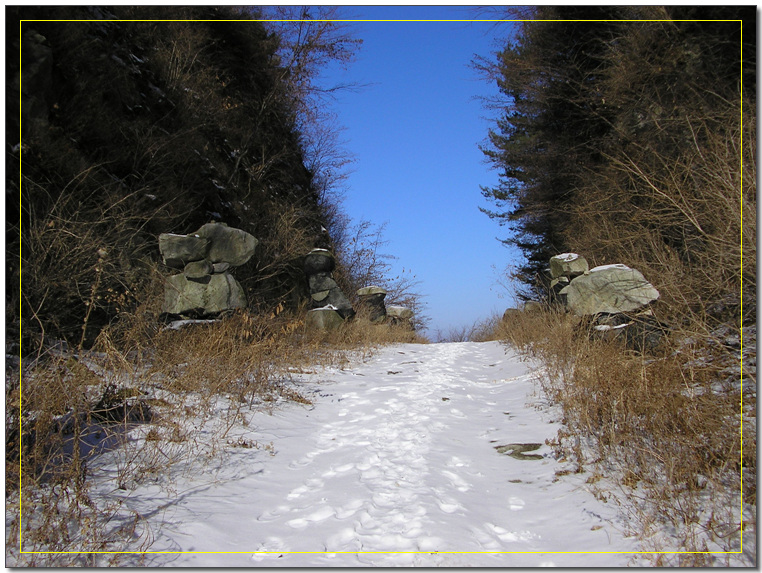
x=459 y=483
x=320 y=515
x=516 y=503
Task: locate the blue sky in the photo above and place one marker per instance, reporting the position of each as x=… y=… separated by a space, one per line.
x=414 y=133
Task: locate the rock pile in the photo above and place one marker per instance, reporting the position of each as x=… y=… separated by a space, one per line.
x=565 y=267
x=612 y=299
x=330 y=306
x=609 y=289
x=372 y=302
x=615 y=298
x=205 y=287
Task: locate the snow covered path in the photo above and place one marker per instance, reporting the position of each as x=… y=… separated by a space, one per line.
x=395 y=464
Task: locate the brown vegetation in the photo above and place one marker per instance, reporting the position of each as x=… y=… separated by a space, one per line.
x=659 y=434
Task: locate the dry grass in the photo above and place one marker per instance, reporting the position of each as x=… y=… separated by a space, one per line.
x=663 y=430
x=183 y=395
x=688 y=223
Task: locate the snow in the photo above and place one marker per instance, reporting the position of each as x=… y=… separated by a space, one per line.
x=395 y=463
x=607 y=327
x=614 y=266
x=178 y=324
x=567 y=257
x=419 y=455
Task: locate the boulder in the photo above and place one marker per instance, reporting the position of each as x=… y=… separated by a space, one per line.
x=567 y=265
x=401 y=312
x=204 y=296
x=227 y=245
x=319 y=261
x=320 y=282
x=337 y=299
x=510 y=313
x=198 y=269
x=400 y=315
x=324 y=318
x=325 y=291
x=372 y=301
x=320 y=296
x=556 y=286
x=559 y=283
x=608 y=289
x=179 y=250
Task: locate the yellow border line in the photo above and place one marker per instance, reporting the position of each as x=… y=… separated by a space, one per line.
x=388 y=552
x=20 y=297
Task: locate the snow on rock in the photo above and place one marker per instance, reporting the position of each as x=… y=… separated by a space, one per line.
x=619 y=266
x=567 y=257
x=567 y=265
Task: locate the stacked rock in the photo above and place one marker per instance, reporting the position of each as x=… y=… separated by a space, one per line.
x=327 y=298
x=563 y=268
x=371 y=299
x=205 y=287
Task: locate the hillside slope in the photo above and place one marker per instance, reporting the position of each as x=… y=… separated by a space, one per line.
x=129 y=129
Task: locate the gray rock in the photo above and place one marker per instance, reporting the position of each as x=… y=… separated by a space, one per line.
x=371 y=300
x=609 y=289
x=371 y=290
x=322 y=281
x=567 y=265
x=337 y=299
x=532 y=306
x=559 y=283
x=208 y=295
x=319 y=261
x=324 y=318
x=198 y=269
x=320 y=296
x=400 y=316
x=400 y=312
x=220 y=267
x=325 y=291
x=179 y=250
x=228 y=245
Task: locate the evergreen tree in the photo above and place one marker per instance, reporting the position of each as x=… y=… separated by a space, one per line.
x=541 y=143
x=597 y=116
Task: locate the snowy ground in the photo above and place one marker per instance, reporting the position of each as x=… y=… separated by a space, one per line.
x=394 y=464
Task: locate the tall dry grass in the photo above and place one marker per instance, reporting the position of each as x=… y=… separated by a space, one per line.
x=659 y=434
x=686 y=220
